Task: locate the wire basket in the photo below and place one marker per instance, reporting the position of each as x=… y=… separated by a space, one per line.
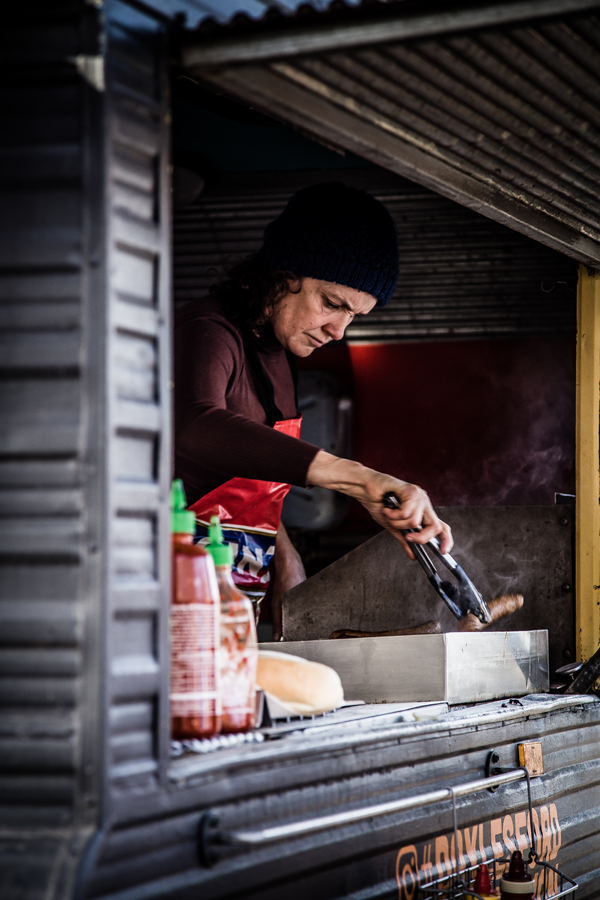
x=454 y=885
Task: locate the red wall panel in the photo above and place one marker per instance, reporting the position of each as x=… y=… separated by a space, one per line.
x=474 y=423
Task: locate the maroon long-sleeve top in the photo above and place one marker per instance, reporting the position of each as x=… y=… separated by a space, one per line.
x=220 y=424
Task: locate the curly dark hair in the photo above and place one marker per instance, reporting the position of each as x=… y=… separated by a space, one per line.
x=249 y=293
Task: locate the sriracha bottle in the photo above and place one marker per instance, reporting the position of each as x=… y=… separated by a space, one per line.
x=195 y=630
x=239 y=645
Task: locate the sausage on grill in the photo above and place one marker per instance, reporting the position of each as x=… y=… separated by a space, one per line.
x=499 y=608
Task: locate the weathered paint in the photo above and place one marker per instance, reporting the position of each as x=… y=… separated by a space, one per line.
x=151 y=850
x=85 y=447
x=587 y=465
x=483 y=842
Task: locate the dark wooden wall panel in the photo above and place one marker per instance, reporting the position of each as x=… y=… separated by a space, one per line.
x=49 y=581
x=40 y=404
x=85 y=438
x=138 y=376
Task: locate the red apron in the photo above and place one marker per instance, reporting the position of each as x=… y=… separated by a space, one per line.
x=249 y=511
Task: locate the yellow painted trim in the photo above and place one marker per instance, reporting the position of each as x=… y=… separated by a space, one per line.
x=588 y=464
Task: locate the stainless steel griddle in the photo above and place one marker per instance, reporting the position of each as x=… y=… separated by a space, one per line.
x=455 y=667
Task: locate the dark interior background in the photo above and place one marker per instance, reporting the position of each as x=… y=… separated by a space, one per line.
x=477 y=421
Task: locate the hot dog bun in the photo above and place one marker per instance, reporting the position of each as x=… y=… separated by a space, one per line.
x=308 y=688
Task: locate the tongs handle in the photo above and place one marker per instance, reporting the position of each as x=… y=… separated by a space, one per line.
x=460 y=600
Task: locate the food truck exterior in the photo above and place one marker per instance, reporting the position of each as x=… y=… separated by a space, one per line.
x=92 y=803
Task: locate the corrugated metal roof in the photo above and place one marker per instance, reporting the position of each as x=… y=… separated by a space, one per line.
x=223 y=12
x=346 y=23
x=196 y=13
x=503 y=120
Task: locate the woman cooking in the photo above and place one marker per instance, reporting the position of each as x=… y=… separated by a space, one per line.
x=331 y=255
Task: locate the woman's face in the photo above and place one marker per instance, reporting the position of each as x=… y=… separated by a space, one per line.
x=319 y=313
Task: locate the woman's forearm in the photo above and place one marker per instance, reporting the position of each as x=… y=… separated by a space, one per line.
x=344 y=475
x=368 y=487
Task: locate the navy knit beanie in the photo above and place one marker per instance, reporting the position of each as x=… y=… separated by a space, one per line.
x=335 y=233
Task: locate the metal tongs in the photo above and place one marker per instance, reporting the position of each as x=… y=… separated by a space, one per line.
x=462 y=598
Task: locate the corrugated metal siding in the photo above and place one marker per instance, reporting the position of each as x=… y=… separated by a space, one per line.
x=461 y=275
x=350 y=768
x=48 y=799
x=503 y=120
x=84 y=447
x=139 y=418
x=40 y=401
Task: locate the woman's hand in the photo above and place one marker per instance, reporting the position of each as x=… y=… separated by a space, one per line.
x=368 y=487
x=286 y=572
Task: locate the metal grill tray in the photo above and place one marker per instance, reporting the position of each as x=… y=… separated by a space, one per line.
x=454 y=667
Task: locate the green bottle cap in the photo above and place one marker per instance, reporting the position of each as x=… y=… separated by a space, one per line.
x=183 y=521
x=221 y=553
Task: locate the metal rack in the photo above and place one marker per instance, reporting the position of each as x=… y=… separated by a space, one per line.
x=439 y=887
x=210 y=836
x=450 y=886
x=456 y=885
